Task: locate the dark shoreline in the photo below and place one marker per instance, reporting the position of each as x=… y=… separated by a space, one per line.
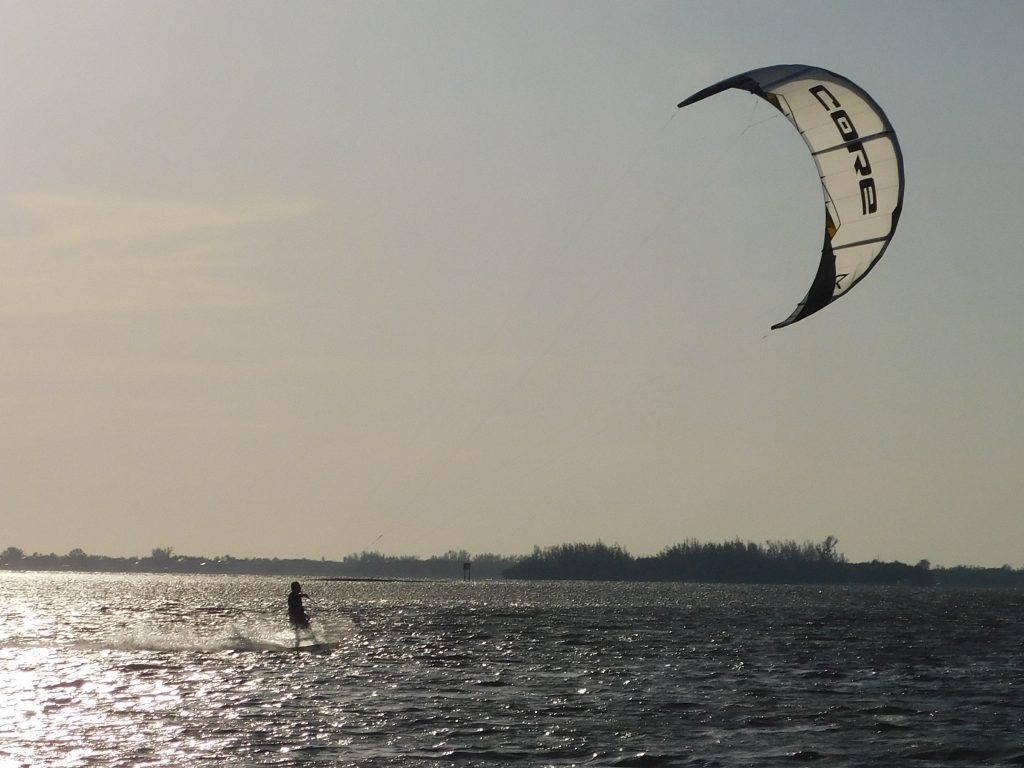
x=734 y=562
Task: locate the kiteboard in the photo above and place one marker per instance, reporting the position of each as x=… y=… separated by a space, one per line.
x=315 y=647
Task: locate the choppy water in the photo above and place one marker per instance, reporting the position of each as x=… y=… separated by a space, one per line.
x=102 y=670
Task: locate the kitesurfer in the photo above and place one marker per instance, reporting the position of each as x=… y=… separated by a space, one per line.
x=296 y=611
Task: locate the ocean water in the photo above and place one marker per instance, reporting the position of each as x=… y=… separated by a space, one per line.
x=141 y=670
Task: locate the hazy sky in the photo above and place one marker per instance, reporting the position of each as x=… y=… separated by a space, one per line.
x=308 y=278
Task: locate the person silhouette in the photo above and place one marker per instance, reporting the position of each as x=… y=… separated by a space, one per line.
x=297 y=616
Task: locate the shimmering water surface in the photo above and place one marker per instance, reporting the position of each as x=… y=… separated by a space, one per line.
x=136 y=670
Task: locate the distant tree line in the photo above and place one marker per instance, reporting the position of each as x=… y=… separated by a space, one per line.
x=363 y=565
x=731 y=562
x=1004 y=577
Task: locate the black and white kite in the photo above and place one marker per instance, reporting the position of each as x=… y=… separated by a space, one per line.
x=859 y=162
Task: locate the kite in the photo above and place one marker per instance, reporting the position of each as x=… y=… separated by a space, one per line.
x=859 y=162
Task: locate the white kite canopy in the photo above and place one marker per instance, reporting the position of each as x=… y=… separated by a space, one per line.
x=859 y=162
